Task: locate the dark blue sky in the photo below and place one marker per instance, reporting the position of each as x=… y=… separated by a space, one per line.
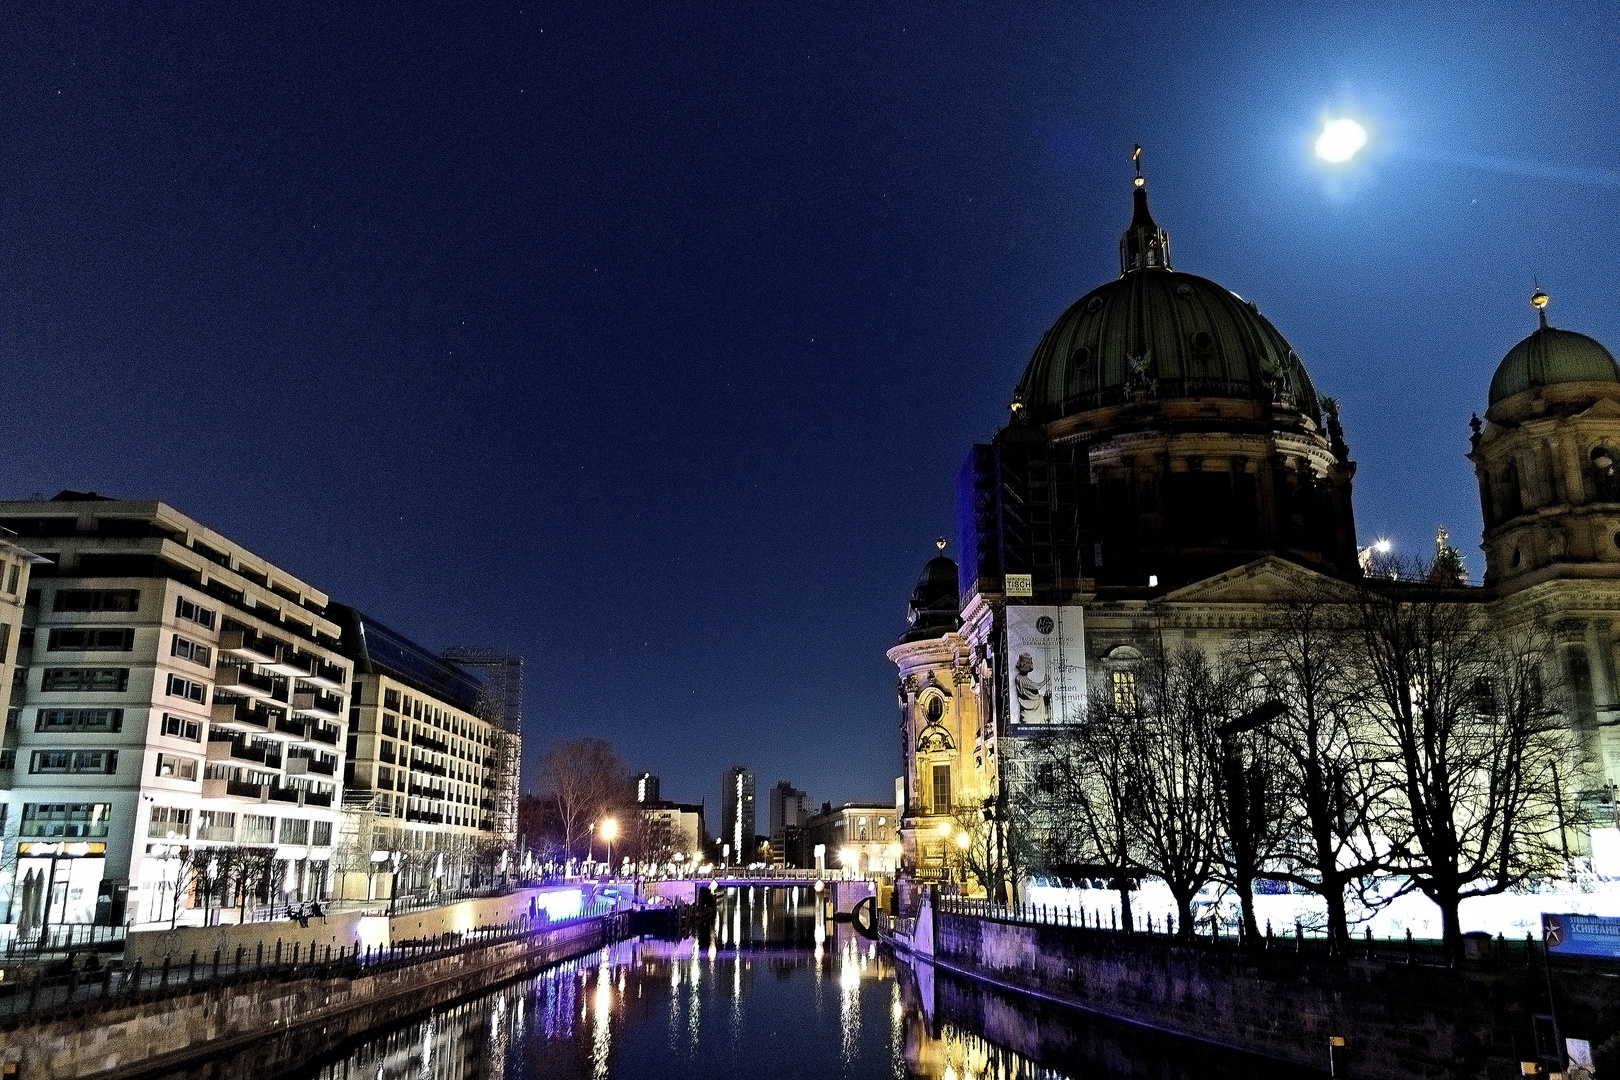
x=646 y=340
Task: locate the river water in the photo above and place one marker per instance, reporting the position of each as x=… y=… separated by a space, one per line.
x=766 y=992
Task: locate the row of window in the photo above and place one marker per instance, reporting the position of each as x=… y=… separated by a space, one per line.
x=174 y=823
x=73 y=761
x=65 y=819
x=111 y=721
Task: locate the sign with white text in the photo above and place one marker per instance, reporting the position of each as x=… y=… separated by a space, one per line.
x=1581 y=935
x=1046 y=666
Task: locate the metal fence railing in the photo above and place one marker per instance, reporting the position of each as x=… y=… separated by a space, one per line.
x=35 y=992
x=1295 y=939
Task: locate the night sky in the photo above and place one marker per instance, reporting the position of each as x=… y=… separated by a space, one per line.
x=646 y=341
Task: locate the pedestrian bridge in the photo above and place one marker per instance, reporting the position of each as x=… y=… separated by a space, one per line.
x=842 y=890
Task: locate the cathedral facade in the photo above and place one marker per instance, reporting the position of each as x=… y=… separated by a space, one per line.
x=1168 y=472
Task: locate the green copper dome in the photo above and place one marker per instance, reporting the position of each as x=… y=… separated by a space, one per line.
x=1168 y=335
x=1551 y=356
x=1161 y=334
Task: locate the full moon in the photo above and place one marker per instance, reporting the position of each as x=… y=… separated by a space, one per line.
x=1339 y=141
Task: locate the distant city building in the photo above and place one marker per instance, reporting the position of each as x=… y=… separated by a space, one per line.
x=173 y=691
x=737 y=815
x=790 y=809
x=860 y=836
x=674 y=829
x=647 y=788
x=421 y=773
x=16 y=564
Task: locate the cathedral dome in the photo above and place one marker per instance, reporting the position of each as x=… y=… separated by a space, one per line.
x=1551 y=356
x=1169 y=334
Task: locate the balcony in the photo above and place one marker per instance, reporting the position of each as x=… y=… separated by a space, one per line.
x=232 y=789
x=232 y=750
x=298 y=729
x=419 y=765
x=315 y=703
x=247 y=682
x=317 y=798
x=250 y=646
x=300 y=766
x=424 y=817
x=486 y=824
x=223 y=834
x=426 y=793
x=323 y=734
x=331 y=676
x=238 y=716
x=296 y=663
x=281 y=794
x=428 y=742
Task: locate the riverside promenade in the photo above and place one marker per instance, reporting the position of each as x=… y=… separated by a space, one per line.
x=280 y=1005
x=1380 y=1009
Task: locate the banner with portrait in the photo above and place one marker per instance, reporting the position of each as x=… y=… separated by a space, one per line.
x=1046 y=667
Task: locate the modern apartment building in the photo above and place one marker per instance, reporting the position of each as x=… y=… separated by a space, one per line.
x=174 y=691
x=737 y=817
x=790 y=809
x=421 y=780
x=15 y=567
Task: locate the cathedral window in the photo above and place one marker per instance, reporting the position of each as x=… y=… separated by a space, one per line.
x=1122 y=684
x=942 y=789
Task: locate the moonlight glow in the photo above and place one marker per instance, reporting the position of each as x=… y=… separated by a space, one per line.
x=1339 y=141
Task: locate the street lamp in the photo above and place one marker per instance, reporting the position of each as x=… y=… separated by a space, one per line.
x=395 y=859
x=610 y=829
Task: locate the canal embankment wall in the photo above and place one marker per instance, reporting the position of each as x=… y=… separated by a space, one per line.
x=340 y=929
x=255 y=1028
x=1395 y=1019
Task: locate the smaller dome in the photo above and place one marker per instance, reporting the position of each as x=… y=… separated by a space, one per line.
x=1551 y=356
x=935 y=602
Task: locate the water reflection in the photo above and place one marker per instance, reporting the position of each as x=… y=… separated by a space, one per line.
x=764 y=991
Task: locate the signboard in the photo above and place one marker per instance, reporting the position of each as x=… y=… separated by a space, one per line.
x=1020 y=585
x=1046 y=667
x=1581 y=935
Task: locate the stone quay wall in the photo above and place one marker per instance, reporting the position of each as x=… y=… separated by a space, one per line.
x=1396 y=1019
x=257 y=1028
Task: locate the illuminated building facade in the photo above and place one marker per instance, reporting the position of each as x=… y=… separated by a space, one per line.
x=1168 y=472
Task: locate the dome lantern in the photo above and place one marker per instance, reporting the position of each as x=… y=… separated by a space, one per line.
x=1145 y=245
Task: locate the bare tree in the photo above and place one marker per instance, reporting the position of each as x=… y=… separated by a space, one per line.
x=1324 y=776
x=1475 y=740
x=582 y=778
x=1184 y=699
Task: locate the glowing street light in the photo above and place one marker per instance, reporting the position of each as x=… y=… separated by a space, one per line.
x=610 y=829
x=1340 y=140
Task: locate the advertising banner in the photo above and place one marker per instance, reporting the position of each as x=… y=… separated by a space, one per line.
x=1046 y=667
x=1581 y=935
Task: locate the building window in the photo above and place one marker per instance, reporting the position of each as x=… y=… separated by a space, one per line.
x=391 y=700
x=173 y=767
x=12 y=576
x=102 y=720
x=215 y=825
x=98 y=600
x=169 y=822
x=180 y=727
x=190 y=650
x=258 y=829
x=1123 y=687
x=322 y=834
x=942 y=789
x=189 y=689
x=91 y=639
x=295 y=830
x=185 y=609
x=65 y=819
x=85 y=680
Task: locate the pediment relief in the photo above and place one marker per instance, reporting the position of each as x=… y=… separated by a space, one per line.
x=1263 y=581
x=934 y=737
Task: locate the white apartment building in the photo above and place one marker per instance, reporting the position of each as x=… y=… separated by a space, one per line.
x=174 y=692
x=420 y=784
x=15 y=566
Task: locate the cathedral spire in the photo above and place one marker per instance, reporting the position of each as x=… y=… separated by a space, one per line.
x=1145 y=246
x=1539 y=300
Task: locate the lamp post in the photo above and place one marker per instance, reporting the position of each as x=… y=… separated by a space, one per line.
x=50 y=888
x=590 y=845
x=395 y=860
x=610 y=829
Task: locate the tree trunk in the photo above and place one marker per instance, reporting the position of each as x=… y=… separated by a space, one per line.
x=1338 y=920
x=1184 y=917
x=1450 y=925
x=1251 y=932
x=1125 y=921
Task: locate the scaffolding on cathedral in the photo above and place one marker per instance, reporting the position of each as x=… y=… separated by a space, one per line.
x=501 y=675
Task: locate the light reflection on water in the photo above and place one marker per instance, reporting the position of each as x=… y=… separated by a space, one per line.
x=767 y=991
